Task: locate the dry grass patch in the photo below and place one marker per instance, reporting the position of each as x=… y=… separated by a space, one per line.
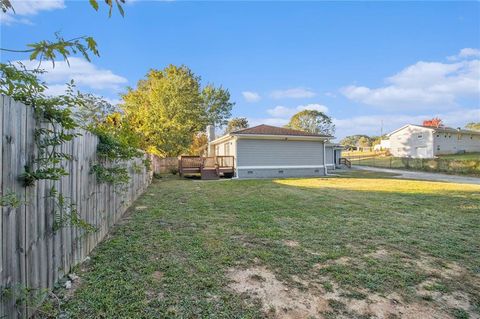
x=278 y=299
x=283 y=301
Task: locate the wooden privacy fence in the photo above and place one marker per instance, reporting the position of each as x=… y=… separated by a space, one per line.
x=33 y=255
x=164 y=165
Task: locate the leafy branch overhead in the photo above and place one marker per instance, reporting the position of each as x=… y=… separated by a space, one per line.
x=61 y=47
x=7 y=5
x=51 y=50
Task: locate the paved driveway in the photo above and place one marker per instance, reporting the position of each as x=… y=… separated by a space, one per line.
x=423 y=175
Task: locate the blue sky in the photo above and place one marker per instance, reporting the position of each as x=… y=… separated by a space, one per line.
x=363 y=63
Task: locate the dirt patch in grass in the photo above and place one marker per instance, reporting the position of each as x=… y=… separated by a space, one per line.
x=378 y=254
x=291 y=243
x=392 y=306
x=157 y=275
x=278 y=299
x=282 y=300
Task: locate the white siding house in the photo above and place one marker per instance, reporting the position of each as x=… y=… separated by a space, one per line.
x=427 y=142
x=266 y=151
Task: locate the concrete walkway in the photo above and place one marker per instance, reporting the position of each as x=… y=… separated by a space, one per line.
x=423 y=175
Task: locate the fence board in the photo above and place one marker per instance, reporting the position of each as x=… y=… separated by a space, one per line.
x=164 y=165
x=32 y=254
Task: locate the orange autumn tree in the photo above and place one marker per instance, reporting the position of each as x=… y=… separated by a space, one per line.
x=435 y=122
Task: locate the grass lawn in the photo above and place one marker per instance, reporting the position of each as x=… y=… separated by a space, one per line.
x=362 y=245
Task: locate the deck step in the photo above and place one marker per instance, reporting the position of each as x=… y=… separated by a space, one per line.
x=209 y=174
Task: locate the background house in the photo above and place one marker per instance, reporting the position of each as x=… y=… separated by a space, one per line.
x=427 y=142
x=384 y=145
x=269 y=151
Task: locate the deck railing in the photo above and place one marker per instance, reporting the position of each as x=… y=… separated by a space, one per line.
x=191 y=162
x=346 y=162
x=195 y=164
x=225 y=161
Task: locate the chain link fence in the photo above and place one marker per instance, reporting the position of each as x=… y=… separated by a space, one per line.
x=463 y=167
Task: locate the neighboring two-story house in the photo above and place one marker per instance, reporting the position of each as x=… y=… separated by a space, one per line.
x=419 y=141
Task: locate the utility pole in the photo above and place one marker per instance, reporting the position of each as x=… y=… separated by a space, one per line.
x=381 y=129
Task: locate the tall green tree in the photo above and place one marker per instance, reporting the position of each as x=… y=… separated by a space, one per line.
x=169 y=106
x=237 y=123
x=474 y=126
x=312 y=121
x=352 y=141
x=364 y=141
x=217 y=104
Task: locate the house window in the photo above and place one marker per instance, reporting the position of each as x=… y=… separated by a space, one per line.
x=438 y=135
x=438 y=147
x=280 y=172
x=226 y=149
x=420 y=136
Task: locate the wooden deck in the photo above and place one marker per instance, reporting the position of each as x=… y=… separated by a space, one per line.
x=208 y=167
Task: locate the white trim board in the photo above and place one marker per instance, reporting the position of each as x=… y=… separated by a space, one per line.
x=280 y=167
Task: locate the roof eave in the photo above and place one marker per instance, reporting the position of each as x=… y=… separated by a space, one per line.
x=221 y=138
x=283 y=136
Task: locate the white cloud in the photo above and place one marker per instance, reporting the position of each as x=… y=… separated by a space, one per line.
x=251 y=97
x=330 y=94
x=469 y=52
x=314 y=107
x=371 y=125
x=465 y=54
x=84 y=73
x=28 y=8
x=423 y=85
x=56 y=89
x=113 y=101
x=295 y=93
x=286 y=112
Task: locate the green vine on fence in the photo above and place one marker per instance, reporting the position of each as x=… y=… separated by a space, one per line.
x=116 y=175
x=66 y=213
x=113 y=154
x=56 y=112
x=10 y=199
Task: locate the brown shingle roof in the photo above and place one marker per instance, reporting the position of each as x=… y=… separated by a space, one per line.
x=274 y=130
